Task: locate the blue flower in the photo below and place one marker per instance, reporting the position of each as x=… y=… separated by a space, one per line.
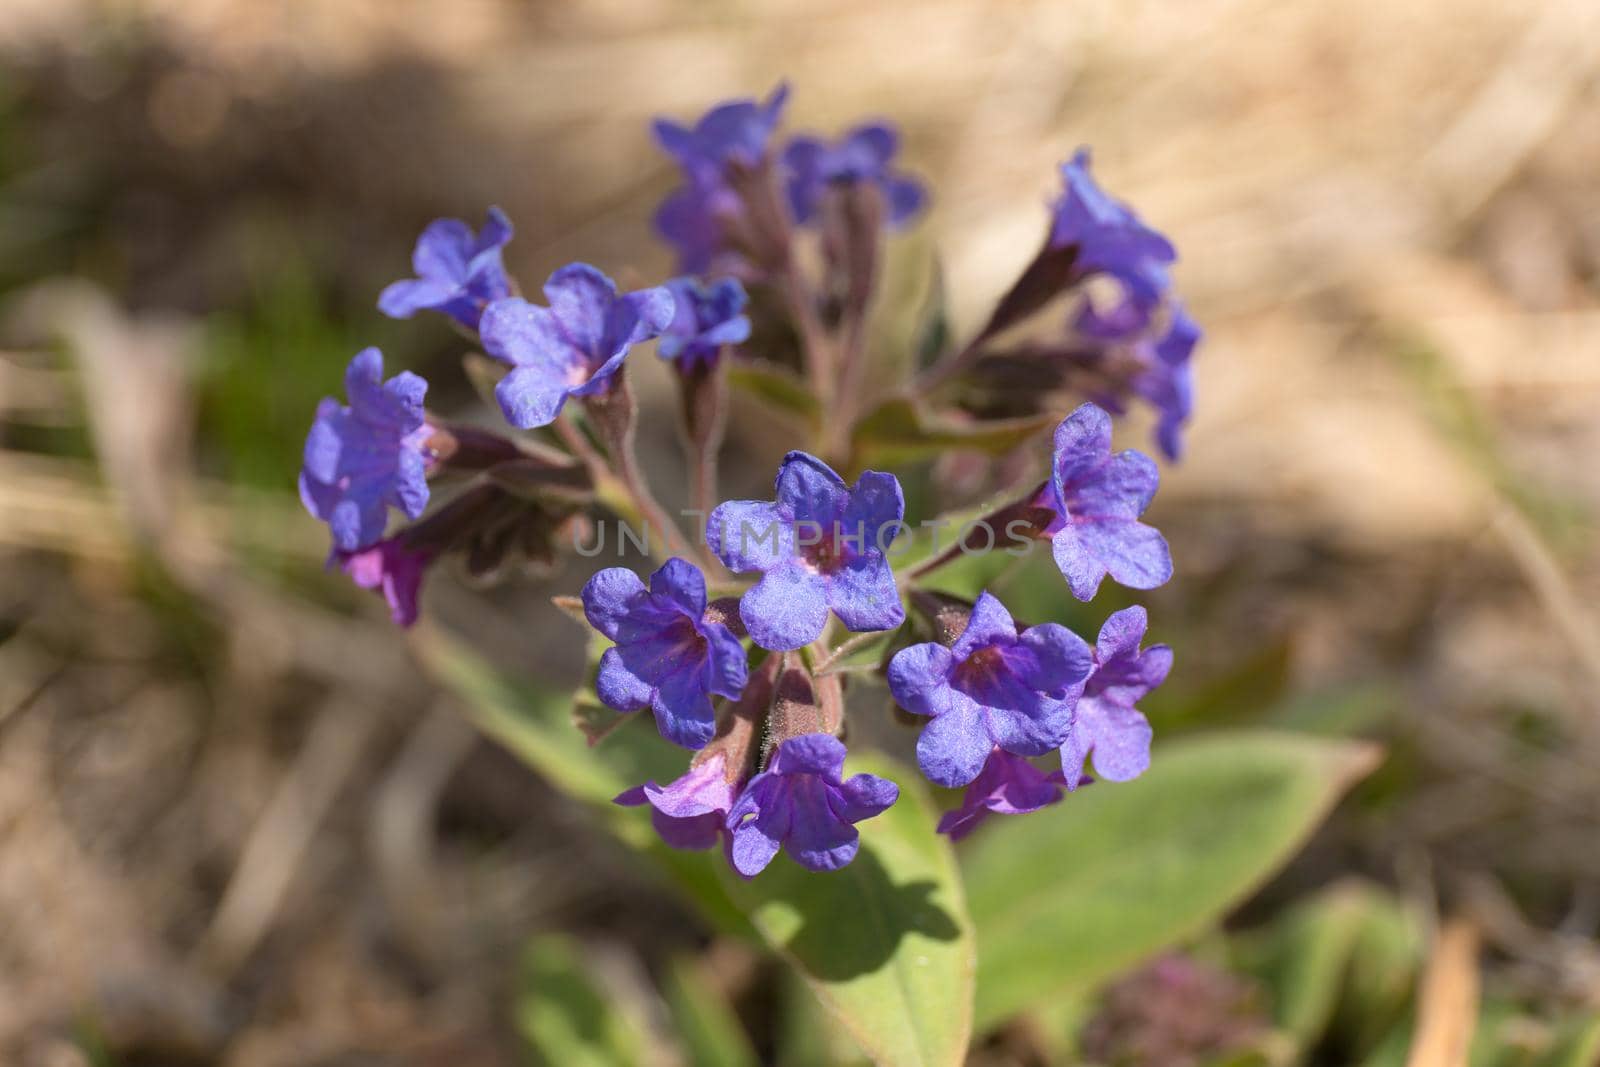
x=1109 y=726
x=1008 y=785
x=820 y=546
x=707 y=319
x=1097 y=498
x=574 y=347
x=362 y=459
x=994 y=688
x=801 y=803
x=732 y=133
x=1110 y=238
x=863 y=155
x=458 y=273
x=668 y=656
x=700 y=217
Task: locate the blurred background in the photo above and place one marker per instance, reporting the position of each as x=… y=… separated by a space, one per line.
x=237 y=823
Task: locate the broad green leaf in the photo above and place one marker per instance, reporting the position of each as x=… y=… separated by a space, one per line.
x=1066 y=897
x=777 y=386
x=566 y=1019
x=898 y=431
x=808 y=1036
x=1305 y=957
x=536 y=726
x=886 y=943
x=1384 y=965
x=707 y=1027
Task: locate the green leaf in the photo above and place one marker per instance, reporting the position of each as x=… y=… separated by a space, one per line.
x=1068 y=896
x=778 y=386
x=707 y=1027
x=885 y=943
x=1306 y=956
x=1577 y=1045
x=898 y=431
x=565 y=1018
x=535 y=725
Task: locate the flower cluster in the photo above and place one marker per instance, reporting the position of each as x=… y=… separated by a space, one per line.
x=737 y=641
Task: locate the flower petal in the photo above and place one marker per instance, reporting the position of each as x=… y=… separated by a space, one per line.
x=953 y=746
x=1135 y=555
x=919 y=678
x=1080 y=566
x=990 y=623
x=609 y=596
x=617 y=686
x=750 y=535
x=787 y=609
x=680 y=582
x=810 y=491
x=529 y=397
x=864 y=595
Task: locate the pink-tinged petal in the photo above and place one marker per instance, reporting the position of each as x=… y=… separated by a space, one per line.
x=953 y=746
x=787 y=609
x=919 y=678
x=864 y=595
x=1082 y=569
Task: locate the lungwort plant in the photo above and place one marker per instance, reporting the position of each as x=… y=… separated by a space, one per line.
x=765 y=626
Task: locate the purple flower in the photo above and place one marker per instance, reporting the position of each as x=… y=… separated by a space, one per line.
x=1008 y=785
x=862 y=155
x=388 y=567
x=995 y=687
x=457 y=273
x=1166 y=382
x=800 y=803
x=1108 y=724
x=692 y=811
x=361 y=459
x=668 y=656
x=707 y=317
x=820 y=545
x=574 y=347
x=1098 y=498
x=698 y=217
x=1110 y=238
x=735 y=132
